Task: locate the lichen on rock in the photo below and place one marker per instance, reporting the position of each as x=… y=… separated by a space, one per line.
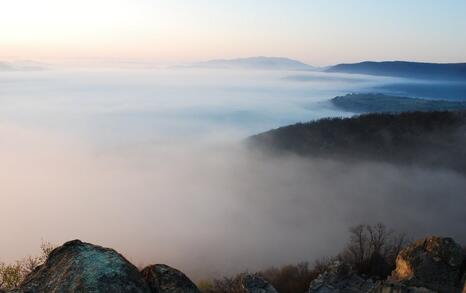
x=435 y=263
x=83 y=267
x=252 y=283
x=339 y=277
x=164 y=279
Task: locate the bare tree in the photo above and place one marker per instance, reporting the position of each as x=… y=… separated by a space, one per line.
x=358 y=243
x=372 y=249
x=378 y=235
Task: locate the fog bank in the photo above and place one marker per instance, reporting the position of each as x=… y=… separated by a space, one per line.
x=151 y=163
x=209 y=208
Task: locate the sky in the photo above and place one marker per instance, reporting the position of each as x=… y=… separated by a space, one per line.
x=319 y=32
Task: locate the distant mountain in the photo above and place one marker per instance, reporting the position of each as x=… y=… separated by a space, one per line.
x=441 y=71
x=434 y=139
x=369 y=103
x=21 y=65
x=264 y=63
x=5 y=66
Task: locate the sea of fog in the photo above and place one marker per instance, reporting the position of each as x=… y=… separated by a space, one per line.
x=128 y=106
x=150 y=162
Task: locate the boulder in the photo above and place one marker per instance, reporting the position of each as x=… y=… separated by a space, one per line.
x=340 y=278
x=164 y=279
x=435 y=263
x=393 y=287
x=255 y=284
x=463 y=282
x=82 y=267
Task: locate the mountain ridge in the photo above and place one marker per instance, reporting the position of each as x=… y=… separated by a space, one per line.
x=21 y=65
x=408 y=69
x=257 y=62
x=380 y=103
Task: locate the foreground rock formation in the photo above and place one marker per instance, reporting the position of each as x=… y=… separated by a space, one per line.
x=255 y=284
x=340 y=278
x=82 y=267
x=162 y=278
x=434 y=264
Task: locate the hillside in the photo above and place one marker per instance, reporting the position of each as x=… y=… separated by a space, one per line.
x=433 y=139
x=440 y=71
x=370 y=103
x=264 y=63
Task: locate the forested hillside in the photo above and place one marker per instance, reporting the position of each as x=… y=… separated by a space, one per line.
x=435 y=139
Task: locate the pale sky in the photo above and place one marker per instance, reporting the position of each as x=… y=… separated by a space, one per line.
x=319 y=32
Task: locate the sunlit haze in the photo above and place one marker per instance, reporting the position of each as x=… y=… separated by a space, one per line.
x=318 y=32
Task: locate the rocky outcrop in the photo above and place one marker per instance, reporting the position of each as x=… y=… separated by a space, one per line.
x=164 y=279
x=82 y=267
x=463 y=281
x=435 y=263
x=255 y=284
x=340 y=278
x=393 y=287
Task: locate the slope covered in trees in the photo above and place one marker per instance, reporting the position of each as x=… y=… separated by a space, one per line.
x=440 y=71
x=370 y=103
x=434 y=139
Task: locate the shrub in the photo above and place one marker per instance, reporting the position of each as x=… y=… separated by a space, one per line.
x=372 y=250
x=11 y=275
x=292 y=278
x=286 y=279
x=224 y=285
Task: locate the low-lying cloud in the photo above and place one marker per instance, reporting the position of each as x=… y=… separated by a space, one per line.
x=208 y=208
